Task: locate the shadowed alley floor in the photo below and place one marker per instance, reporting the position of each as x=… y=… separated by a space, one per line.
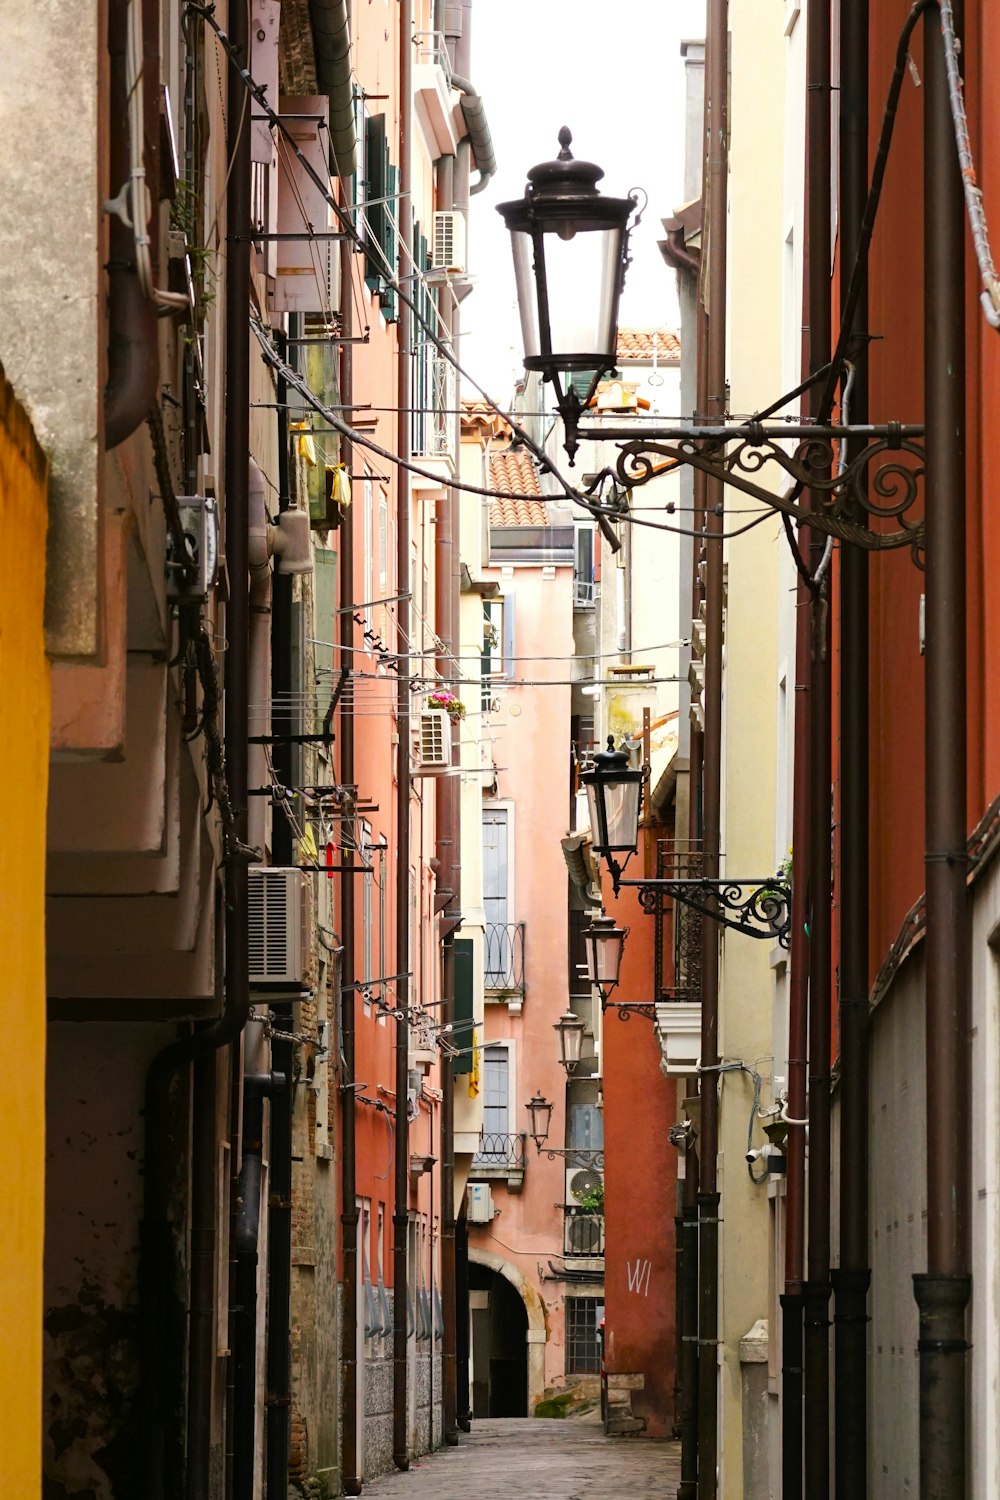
x=532 y=1459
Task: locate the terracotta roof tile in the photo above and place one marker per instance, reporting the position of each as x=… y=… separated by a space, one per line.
x=636 y=345
x=515 y=472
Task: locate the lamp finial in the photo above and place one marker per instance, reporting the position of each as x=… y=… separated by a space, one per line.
x=565 y=139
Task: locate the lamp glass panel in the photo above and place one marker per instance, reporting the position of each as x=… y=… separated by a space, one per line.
x=582 y=273
x=527 y=295
x=609 y=957
x=570 y=1029
x=617 y=831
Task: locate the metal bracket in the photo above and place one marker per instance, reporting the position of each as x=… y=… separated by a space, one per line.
x=879 y=479
x=574 y=1158
x=627 y=1008
x=759 y=908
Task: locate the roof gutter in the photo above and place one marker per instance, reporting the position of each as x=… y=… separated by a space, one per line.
x=332 y=47
x=476 y=123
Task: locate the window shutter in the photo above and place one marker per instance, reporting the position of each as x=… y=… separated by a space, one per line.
x=390 y=244
x=464 y=1034
x=375 y=187
x=509 y=636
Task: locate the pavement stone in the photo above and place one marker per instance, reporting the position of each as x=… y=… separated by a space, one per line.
x=536 y=1459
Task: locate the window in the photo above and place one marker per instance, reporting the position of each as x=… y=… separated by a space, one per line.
x=583 y=1352
x=367 y=543
x=496 y=1091
x=584 y=587
x=498 y=644
x=380 y=218
x=496 y=865
x=367 y=901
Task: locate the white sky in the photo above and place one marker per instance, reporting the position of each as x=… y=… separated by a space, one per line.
x=613 y=73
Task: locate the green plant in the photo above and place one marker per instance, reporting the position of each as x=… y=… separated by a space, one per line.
x=592 y=1201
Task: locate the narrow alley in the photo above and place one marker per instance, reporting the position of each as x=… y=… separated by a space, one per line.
x=531 y=1459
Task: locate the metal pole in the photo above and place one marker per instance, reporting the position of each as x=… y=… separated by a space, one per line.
x=852 y=1277
x=400 y=1214
x=717 y=130
x=943 y=1292
x=350 y=1458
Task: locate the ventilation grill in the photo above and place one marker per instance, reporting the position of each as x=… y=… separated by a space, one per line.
x=434 y=742
x=274 y=914
x=449 y=243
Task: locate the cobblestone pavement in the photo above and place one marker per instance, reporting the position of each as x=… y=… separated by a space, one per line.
x=532 y=1459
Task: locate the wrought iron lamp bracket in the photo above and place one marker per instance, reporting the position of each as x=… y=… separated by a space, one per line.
x=626 y=1009
x=877 y=479
x=759 y=908
x=573 y=1157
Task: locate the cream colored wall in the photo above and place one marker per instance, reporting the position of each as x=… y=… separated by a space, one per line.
x=756 y=233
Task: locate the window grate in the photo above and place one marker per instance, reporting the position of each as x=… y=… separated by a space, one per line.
x=583 y=1353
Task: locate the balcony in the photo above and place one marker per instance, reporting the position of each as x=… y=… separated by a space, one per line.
x=583 y=1233
x=500 y=1157
x=504 y=967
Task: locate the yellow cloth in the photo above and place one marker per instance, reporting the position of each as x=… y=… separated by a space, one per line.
x=474 y=1074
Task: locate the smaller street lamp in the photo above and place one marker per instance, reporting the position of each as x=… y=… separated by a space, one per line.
x=570 y=250
x=569 y=1028
x=540 y=1109
x=614 y=795
x=604 y=942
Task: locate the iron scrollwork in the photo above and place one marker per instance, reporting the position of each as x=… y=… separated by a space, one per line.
x=877 y=476
x=574 y=1157
x=759 y=908
x=625 y=1009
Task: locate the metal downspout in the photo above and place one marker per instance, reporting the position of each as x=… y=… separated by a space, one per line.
x=400 y=1216
x=331 y=32
x=689 y=1352
x=350 y=1458
x=717 y=133
x=852 y=1277
x=818 y=315
x=943 y=1291
x=236 y=467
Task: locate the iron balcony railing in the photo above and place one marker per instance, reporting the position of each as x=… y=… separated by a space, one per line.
x=677 y=947
x=503 y=1153
x=583 y=1232
x=504 y=958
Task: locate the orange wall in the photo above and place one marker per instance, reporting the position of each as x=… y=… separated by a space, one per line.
x=640 y=1105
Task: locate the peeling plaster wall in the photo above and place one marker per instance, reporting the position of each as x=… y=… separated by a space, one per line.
x=96 y=1077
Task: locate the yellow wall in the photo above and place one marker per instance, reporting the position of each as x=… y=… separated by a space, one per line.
x=24 y=727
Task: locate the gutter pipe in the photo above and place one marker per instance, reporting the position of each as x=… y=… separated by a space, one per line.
x=351 y=1479
x=160 y=1383
x=256 y=1088
x=133 y=356
x=400 y=1214
x=944 y=1290
x=816 y=1317
x=476 y=123
x=331 y=32
x=852 y=1277
x=717 y=144
x=279 y=1222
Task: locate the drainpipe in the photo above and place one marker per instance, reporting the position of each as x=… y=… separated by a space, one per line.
x=331 y=33
x=161 y=1384
x=279 y=1223
x=717 y=144
x=474 y=114
x=133 y=358
x=400 y=1216
x=256 y=1088
x=852 y=1277
x=350 y=1457
x=687 y=1328
x=816 y=1342
x=943 y=1291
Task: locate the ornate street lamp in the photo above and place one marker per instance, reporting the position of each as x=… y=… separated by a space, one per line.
x=569 y=1028
x=614 y=795
x=570 y=253
x=604 y=942
x=540 y=1109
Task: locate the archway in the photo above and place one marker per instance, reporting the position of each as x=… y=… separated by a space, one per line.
x=507 y=1327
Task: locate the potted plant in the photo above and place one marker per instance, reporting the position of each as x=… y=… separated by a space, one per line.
x=443 y=698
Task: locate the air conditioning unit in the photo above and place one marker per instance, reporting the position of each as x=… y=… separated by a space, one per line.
x=274 y=920
x=581 y=1180
x=479 y=1203
x=448 y=250
x=433 y=739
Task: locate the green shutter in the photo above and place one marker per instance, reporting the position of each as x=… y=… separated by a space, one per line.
x=324 y=624
x=465 y=1033
x=392 y=210
x=375 y=163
